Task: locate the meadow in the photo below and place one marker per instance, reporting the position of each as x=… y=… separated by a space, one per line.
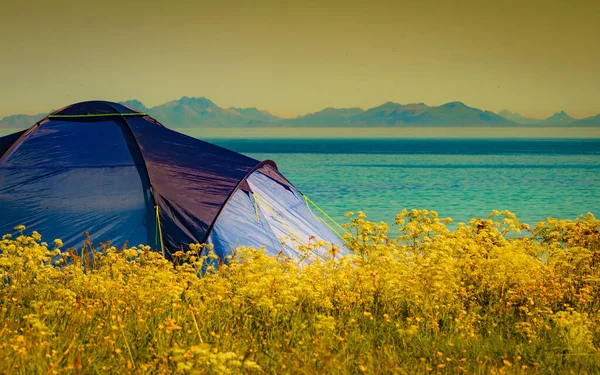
x=490 y=296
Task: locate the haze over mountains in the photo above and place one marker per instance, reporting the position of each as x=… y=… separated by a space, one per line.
x=202 y=112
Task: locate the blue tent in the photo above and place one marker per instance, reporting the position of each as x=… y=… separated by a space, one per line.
x=117 y=173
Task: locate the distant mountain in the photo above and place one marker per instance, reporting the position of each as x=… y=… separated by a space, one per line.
x=191 y=112
x=253 y=114
x=136 y=104
x=558 y=119
x=588 y=121
x=517 y=118
x=188 y=112
x=389 y=113
x=394 y=114
x=20 y=121
x=450 y=114
x=202 y=112
x=325 y=117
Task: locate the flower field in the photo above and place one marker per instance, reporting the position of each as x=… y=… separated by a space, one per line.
x=491 y=296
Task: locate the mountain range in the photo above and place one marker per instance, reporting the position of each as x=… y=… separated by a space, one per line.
x=559 y=118
x=202 y=112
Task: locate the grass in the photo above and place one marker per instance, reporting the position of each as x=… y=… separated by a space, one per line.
x=490 y=297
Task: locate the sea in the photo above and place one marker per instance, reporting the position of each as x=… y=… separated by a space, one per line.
x=459 y=178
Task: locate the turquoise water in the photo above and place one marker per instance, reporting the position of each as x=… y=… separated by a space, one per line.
x=460 y=179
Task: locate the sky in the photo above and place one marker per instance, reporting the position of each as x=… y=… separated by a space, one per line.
x=295 y=57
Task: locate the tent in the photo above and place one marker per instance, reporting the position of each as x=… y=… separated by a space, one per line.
x=107 y=169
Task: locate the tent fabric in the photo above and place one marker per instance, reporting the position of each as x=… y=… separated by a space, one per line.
x=241 y=225
x=80 y=176
x=7 y=141
x=68 y=144
x=109 y=203
x=106 y=169
x=272 y=216
x=288 y=215
x=191 y=180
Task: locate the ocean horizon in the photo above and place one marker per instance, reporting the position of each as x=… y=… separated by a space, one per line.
x=401 y=132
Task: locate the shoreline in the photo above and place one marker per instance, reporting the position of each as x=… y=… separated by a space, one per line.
x=394 y=133
x=507 y=133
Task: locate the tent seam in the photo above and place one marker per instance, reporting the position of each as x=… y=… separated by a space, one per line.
x=20 y=140
x=150 y=186
x=236 y=188
x=269 y=230
x=96 y=115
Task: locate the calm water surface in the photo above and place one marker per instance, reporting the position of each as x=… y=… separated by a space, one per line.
x=461 y=179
